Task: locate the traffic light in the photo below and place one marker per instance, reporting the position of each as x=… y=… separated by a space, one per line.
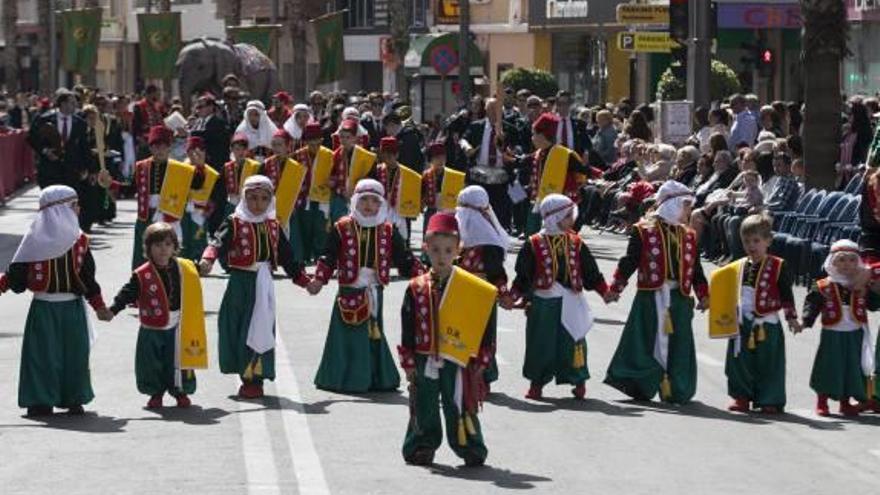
x=766 y=62
x=678 y=20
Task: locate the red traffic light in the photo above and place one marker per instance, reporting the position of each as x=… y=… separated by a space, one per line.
x=767 y=57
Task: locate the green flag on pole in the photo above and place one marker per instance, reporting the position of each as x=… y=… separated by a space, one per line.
x=328 y=32
x=81 y=31
x=261 y=36
x=159 y=39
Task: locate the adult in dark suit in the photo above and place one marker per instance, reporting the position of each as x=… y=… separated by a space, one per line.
x=214 y=130
x=572 y=132
x=59 y=139
x=410 y=138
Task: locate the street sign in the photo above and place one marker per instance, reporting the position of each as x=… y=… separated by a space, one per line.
x=646 y=42
x=444 y=59
x=642 y=14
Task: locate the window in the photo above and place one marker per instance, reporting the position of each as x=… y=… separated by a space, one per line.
x=419 y=11
x=359 y=14
x=142 y=4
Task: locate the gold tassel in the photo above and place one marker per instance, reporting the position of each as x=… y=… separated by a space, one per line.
x=665 y=387
x=258 y=368
x=462 y=437
x=762 y=334
x=751 y=343
x=248 y=374
x=374 y=330
x=667 y=324
x=579 y=359
x=469 y=425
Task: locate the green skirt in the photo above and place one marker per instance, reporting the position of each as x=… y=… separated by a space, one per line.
x=550 y=350
x=338 y=208
x=308 y=233
x=137 y=251
x=154 y=364
x=634 y=370
x=491 y=373
x=533 y=223
x=234 y=319
x=758 y=374
x=353 y=362
x=837 y=369
x=55 y=356
x=195 y=238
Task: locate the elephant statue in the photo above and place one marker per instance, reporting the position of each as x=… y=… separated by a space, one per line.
x=204 y=62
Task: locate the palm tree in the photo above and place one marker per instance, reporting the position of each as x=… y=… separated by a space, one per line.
x=299 y=12
x=10 y=53
x=398 y=20
x=824 y=45
x=41 y=49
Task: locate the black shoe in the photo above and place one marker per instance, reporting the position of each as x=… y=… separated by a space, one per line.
x=421 y=457
x=34 y=411
x=473 y=461
x=76 y=410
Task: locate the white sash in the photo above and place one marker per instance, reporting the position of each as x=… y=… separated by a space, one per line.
x=576 y=315
x=261 y=335
x=848 y=324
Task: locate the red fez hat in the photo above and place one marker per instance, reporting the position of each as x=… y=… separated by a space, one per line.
x=207 y=97
x=159 y=134
x=281 y=133
x=349 y=125
x=436 y=148
x=389 y=144
x=312 y=131
x=546 y=124
x=442 y=223
x=240 y=138
x=283 y=97
x=195 y=143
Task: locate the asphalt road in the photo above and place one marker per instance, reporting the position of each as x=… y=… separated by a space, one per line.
x=302 y=440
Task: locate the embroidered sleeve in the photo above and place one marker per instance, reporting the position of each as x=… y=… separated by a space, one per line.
x=16 y=277
x=812 y=306
x=218 y=244
x=701 y=285
x=786 y=295
x=630 y=261
x=128 y=294
x=327 y=262
x=407 y=346
x=90 y=285
x=525 y=271
x=592 y=277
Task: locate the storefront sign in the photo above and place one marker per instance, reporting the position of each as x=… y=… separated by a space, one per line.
x=563 y=8
x=646 y=42
x=546 y=13
x=642 y=14
x=759 y=16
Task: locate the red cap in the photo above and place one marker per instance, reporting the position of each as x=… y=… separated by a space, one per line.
x=312 y=131
x=281 y=133
x=240 y=138
x=546 y=124
x=283 y=97
x=389 y=144
x=207 y=97
x=442 y=223
x=436 y=148
x=349 y=125
x=44 y=102
x=159 y=134
x=195 y=143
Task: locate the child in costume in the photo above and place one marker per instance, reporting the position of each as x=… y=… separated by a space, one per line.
x=432 y=181
x=194 y=224
x=157 y=286
x=54 y=262
x=755 y=366
x=553 y=271
x=656 y=350
x=460 y=390
x=273 y=167
x=309 y=222
x=363 y=246
x=484 y=246
x=844 y=364
x=233 y=171
x=342 y=157
x=387 y=172
x=251 y=245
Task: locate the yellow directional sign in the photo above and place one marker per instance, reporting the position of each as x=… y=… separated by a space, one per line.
x=648 y=42
x=642 y=14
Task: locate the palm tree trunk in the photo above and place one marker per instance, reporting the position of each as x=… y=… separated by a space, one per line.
x=399 y=19
x=10 y=53
x=42 y=50
x=824 y=46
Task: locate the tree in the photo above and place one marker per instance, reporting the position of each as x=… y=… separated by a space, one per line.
x=233 y=13
x=823 y=46
x=42 y=50
x=10 y=53
x=539 y=82
x=399 y=27
x=299 y=12
x=722 y=83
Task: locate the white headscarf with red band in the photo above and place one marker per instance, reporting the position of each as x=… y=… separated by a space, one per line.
x=671 y=198
x=262 y=134
x=477 y=222
x=554 y=209
x=364 y=188
x=243 y=212
x=55 y=229
x=842 y=247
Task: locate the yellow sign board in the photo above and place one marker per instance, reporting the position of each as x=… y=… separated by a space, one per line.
x=464 y=310
x=724 y=287
x=645 y=42
x=175 y=188
x=642 y=14
x=193 y=345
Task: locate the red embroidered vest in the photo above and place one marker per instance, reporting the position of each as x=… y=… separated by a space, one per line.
x=767 y=298
x=537 y=171
x=832 y=310
x=307 y=160
x=545 y=272
x=243 y=251
x=390 y=189
x=39 y=274
x=424 y=309
x=152 y=300
x=143 y=178
x=230 y=179
x=350 y=247
x=471 y=259
x=339 y=176
x=653 y=269
x=429 y=187
x=272 y=169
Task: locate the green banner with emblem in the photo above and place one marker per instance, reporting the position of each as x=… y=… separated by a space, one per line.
x=261 y=36
x=328 y=33
x=159 y=39
x=81 y=32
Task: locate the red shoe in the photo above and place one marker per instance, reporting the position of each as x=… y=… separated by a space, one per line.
x=739 y=405
x=183 y=401
x=822 y=406
x=534 y=392
x=579 y=391
x=872 y=405
x=155 y=401
x=250 y=391
x=848 y=409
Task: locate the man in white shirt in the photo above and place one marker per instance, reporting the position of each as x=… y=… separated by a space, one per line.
x=745 y=126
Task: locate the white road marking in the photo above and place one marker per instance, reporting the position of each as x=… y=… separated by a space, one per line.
x=309 y=473
x=874 y=452
x=709 y=360
x=259 y=457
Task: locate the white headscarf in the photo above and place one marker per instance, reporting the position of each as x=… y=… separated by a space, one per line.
x=242 y=211
x=55 y=229
x=262 y=135
x=839 y=248
x=671 y=198
x=354 y=114
x=291 y=126
x=554 y=209
x=477 y=222
x=369 y=187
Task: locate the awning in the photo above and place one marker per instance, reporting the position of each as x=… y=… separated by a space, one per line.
x=429 y=52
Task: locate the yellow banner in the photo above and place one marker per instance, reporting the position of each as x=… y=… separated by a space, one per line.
x=724 y=289
x=409 y=196
x=250 y=168
x=322 y=168
x=288 y=190
x=361 y=165
x=175 y=188
x=464 y=311
x=555 y=171
x=453 y=183
x=203 y=194
x=193 y=342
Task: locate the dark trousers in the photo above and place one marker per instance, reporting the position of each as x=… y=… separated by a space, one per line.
x=500 y=202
